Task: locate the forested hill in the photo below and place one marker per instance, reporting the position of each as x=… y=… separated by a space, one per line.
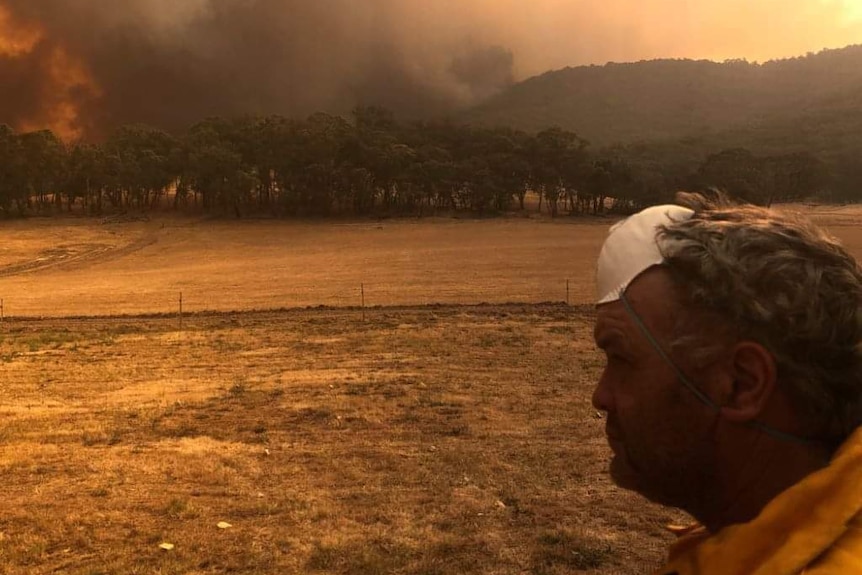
x=671 y=99
x=830 y=130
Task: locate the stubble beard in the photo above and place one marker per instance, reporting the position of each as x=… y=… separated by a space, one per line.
x=685 y=477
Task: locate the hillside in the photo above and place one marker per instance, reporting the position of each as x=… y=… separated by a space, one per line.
x=671 y=99
x=830 y=131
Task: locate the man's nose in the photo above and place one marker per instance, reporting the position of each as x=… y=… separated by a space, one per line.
x=602 y=398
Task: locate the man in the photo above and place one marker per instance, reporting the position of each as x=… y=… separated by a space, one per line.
x=733 y=384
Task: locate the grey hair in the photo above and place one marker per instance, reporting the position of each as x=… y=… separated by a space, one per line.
x=776 y=278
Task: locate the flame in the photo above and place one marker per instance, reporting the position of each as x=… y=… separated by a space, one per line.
x=68 y=80
x=69 y=83
x=16 y=39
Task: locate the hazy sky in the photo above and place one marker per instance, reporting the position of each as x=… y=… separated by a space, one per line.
x=83 y=66
x=581 y=31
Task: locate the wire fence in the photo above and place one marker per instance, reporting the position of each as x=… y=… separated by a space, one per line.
x=365 y=295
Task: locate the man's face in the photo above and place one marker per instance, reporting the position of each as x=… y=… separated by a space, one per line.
x=660 y=434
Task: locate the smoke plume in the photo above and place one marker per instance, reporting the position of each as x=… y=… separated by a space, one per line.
x=83 y=67
x=87 y=66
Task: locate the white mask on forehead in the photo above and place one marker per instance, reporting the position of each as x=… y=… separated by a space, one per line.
x=632 y=247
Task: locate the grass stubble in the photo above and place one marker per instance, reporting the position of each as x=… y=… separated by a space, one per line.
x=423 y=440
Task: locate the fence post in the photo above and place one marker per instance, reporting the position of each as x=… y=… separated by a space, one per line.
x=362 y=299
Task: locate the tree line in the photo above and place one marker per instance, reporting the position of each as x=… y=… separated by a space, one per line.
x=366 y=165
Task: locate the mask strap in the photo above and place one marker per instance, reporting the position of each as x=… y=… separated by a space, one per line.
x=700 y=395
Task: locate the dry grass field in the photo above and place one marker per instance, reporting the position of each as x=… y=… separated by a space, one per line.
x=78 y=267
x=418 y=439
x=450 y=439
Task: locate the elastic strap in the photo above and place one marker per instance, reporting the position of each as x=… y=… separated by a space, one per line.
x=700 y=395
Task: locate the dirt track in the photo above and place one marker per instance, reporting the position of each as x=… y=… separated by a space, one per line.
x=75 y=256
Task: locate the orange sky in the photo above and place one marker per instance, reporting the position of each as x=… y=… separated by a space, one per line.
x=549 y=34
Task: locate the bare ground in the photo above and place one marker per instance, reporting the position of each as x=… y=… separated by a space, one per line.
x=442 y=439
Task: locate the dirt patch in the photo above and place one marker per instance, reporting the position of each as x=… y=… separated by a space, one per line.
x=73 y=256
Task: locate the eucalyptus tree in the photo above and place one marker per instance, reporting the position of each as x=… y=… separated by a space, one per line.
x=376 y=143
x=86 y=176
x=764 y=180
x=314 y=165
x=558 y=159
x=503 y=168
x=793 y=176
x=434 y=174
x=215 y=169
x=143 y=166
x=43 y=164
x=12 y=178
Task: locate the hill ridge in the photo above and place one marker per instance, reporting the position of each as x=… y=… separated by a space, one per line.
x=669 y=98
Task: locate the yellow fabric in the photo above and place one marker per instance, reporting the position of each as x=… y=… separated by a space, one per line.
x=813 y=528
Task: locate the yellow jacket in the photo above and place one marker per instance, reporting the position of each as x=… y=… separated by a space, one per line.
x=813 y=528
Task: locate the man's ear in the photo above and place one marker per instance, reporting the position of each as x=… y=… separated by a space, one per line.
x=754 y=379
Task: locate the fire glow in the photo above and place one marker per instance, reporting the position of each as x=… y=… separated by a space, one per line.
x=16 y=40
x=66 y=84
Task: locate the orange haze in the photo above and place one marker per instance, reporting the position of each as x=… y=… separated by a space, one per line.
x=549 y=34
x=82 y=67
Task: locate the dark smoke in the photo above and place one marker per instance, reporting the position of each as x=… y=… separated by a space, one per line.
x=23 y=87
x=170 y=63
x=485 y=70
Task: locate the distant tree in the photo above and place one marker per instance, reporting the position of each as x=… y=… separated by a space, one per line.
x=143 y=164
x=216 y=171
x=43 y=159
x=261 y=143
x=558 y=163
x=375 y=144
x=794 y=176
x=86 y=177
x=12 y=176
x=764 y=180
x=308 y=169
x=738 y=172
x=844 y=178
